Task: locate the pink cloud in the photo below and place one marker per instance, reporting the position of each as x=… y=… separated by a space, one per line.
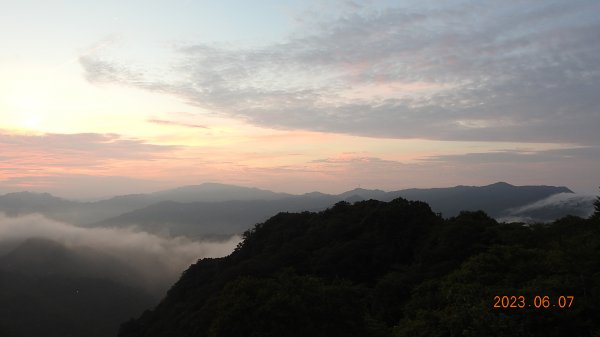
x=28 y=159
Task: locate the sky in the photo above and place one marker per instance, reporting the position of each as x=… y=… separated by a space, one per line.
x=99 y=98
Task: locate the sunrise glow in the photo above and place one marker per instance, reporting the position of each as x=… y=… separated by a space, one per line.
x=100 y=94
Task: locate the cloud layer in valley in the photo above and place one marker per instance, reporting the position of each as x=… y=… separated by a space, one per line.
x=158 y=261
x=545 y=210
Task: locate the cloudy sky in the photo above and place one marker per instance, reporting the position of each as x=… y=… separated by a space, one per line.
x=110 y=97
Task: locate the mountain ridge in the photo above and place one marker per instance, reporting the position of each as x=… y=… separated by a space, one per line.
x=210 y=205
x=231 y=217
x=374 y=269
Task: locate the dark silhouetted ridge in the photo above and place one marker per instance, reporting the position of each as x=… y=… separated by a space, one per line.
x=395 y=268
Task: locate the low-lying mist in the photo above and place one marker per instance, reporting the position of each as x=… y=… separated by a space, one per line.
x=552 y=208
x=152 y=262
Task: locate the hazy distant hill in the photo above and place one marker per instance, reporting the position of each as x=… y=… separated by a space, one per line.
x=199 y=219
x=214 y=192
x=42 y=257
x=230 y=217
x=75 y=212
x=494 y=199
x=83 y=213
x=21 y=203
x=365 y=194
x=49 y=290
x=216 y=209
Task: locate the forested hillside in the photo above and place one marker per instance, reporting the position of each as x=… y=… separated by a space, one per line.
x=390 y=269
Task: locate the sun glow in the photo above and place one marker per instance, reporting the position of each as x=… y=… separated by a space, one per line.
x=26 y=103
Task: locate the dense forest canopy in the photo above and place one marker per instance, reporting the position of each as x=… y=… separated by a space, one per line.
x=376 y=268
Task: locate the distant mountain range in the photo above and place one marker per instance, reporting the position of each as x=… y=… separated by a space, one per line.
x=219 y=209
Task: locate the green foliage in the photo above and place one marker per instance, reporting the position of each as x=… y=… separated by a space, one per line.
x=387 y=269
x=295 y=306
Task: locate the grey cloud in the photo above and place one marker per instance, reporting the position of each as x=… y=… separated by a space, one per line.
x=546 y=210
x=501 y=71
x=94 y=147
x=355 y=161
x=50 y=162
x=97 y=71
x=558 y=200
x=523 y=156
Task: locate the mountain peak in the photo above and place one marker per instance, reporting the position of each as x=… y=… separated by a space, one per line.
x=555 y=189
x=216 y=192
x=363 y=193
x=500 y=184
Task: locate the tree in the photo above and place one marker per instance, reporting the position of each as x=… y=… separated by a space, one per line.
x=596 y=214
